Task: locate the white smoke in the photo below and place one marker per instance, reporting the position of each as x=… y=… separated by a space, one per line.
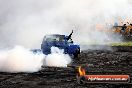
x=20 y=59
x=24 y=21
x=57 y=58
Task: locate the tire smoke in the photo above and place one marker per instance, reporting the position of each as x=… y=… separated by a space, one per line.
x=57 y=58
x=24 y=21
x=20 y=59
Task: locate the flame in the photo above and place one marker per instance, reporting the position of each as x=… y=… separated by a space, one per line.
x=81 y=71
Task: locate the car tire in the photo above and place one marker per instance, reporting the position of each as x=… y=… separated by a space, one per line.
x=76 y=54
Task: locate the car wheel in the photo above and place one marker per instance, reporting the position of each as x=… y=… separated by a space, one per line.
x=76 y=54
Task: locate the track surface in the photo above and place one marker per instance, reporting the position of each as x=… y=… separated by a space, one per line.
x=99 y=61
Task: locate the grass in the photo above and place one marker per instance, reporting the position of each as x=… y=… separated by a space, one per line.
x=110 y=44
x=122 y=44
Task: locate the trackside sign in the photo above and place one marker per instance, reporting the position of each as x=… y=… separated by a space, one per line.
x=107 y=78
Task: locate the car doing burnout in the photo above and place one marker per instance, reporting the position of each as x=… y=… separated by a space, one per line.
x=62 y=42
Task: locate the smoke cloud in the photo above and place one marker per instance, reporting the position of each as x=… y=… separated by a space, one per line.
x=20 y=59
x=25 y=22
x=57 y=58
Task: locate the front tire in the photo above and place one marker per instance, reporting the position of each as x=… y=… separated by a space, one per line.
x=76 y=54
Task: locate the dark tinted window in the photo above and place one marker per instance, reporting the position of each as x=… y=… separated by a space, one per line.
x=54 y=38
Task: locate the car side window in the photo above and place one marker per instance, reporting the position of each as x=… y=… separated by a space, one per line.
x=61 y=38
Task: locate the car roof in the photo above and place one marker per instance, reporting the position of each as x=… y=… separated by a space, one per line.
x=54 y=35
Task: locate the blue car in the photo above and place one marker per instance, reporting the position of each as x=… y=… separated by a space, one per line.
x=62 y=42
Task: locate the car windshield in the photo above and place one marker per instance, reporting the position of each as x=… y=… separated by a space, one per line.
x=54 y=38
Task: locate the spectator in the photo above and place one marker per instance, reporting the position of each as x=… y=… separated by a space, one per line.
x=123 y=28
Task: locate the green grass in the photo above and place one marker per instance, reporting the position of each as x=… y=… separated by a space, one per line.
x=110 y=44
x=122 y=44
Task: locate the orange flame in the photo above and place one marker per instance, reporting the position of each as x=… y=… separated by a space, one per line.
x=81 y=71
